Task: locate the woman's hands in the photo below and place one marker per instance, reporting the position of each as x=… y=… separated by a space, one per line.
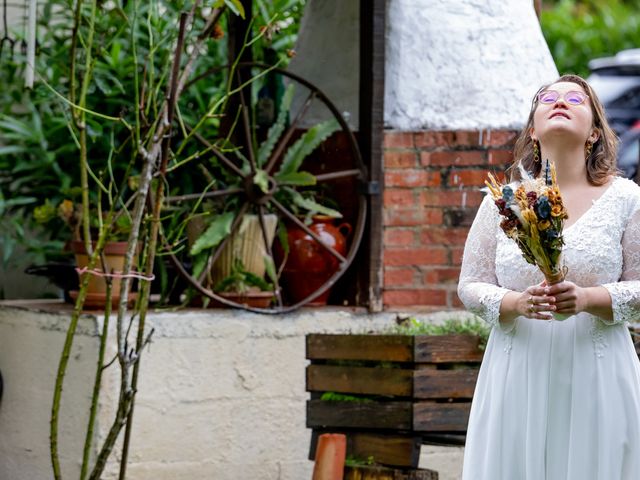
x=534 y=302
x=569 y=298
x=537 y=302
x=541 y=301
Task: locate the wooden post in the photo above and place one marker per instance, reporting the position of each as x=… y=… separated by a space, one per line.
x=371 y=114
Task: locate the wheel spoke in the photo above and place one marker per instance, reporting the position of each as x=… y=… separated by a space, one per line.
x=247 y=135
x=218 y=154
x=223 y=243
x=313 y=234
x=287 y=135
x=233 y=160
x=199 y=196
x=247 y=128
x=267 y=245
x=341 y=174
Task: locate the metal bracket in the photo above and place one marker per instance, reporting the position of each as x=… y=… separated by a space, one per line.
x=370 y=188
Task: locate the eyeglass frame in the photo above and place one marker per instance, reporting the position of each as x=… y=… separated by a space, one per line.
x=583 y=95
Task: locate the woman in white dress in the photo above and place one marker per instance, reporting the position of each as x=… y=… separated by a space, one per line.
x=559 y=400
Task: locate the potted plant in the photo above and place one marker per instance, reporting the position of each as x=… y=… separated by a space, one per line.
x=246 y=288
x=223 y=232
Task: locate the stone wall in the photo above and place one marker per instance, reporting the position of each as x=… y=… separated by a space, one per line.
x=221 y=393
x=432 y=191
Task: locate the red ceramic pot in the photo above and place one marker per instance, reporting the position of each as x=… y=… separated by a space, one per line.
x=309 y=265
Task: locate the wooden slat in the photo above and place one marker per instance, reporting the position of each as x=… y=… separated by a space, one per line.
x=391 y=348
x=447 y=348
x=435 y=384
x=360 y=380
x=373 y=415
x=394 y=450
x=383 y=473
x=440 y=417
x=385 y=449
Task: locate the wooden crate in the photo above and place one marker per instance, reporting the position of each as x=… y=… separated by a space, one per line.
x=421 y=389
x=410 y=387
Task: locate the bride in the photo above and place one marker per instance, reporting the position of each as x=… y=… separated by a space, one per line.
x=559 y=400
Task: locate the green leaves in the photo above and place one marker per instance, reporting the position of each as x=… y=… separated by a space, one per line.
x=241 y=281
x=261 y=179
x=305 y=145
x=217 y=230
x=277 y=128
x=302 y=179
x=234 y=5
x=577 y=32
x=312 y=206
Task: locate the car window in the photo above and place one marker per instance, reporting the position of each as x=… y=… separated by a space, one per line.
x=609 y=87
x=628 y=100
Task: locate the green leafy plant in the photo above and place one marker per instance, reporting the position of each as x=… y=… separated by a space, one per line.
x=115 y=73
x=341 y=397
x=353 y=461
x=450 y=326
x=293 y=183
x=242 y=281
x=578 y=31
x=39 y=146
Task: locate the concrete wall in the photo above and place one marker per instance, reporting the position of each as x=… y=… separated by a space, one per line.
x=222 y=394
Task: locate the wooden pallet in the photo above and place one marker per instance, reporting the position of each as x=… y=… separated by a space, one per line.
x=410 y=388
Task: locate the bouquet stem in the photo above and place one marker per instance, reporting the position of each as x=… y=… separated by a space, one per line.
x=553 y=278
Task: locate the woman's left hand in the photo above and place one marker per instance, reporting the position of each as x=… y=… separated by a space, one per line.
x=569 y=297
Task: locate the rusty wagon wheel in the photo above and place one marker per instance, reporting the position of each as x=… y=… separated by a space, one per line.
x=244 y=177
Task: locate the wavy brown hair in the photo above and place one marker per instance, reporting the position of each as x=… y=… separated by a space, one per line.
x=601 y=163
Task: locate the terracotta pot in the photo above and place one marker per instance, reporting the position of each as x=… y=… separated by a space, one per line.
x=114 y=254
x=309 y=265
x=249 y=299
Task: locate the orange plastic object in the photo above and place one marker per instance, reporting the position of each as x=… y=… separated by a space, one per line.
x=330 y=456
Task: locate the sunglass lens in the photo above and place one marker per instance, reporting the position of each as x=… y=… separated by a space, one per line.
x=574 y=98
x=548 y=96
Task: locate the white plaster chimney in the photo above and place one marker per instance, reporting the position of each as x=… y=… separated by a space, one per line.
x=450 y=64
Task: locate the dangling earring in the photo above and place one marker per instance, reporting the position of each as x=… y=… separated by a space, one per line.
x=588 y=149
x=536 y=152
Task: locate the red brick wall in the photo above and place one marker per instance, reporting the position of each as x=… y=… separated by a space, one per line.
x=431 y=193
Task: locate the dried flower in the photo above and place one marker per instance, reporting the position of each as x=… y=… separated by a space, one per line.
x=534 y=218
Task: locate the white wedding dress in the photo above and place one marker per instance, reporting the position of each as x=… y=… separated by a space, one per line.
x=557 y=400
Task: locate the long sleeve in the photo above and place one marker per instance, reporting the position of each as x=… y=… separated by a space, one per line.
x=625 y=294
x=478 y=286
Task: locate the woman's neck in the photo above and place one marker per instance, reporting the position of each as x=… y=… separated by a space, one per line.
x=569 y=160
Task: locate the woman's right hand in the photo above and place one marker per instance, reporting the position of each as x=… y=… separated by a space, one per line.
x=534 y=302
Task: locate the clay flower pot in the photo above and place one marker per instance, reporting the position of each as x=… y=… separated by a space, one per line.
x=114 y=254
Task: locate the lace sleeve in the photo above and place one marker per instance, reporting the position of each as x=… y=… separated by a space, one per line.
x=478 y=286
x=625 y=294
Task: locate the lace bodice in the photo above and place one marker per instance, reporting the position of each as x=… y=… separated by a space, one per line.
x=601 y=248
